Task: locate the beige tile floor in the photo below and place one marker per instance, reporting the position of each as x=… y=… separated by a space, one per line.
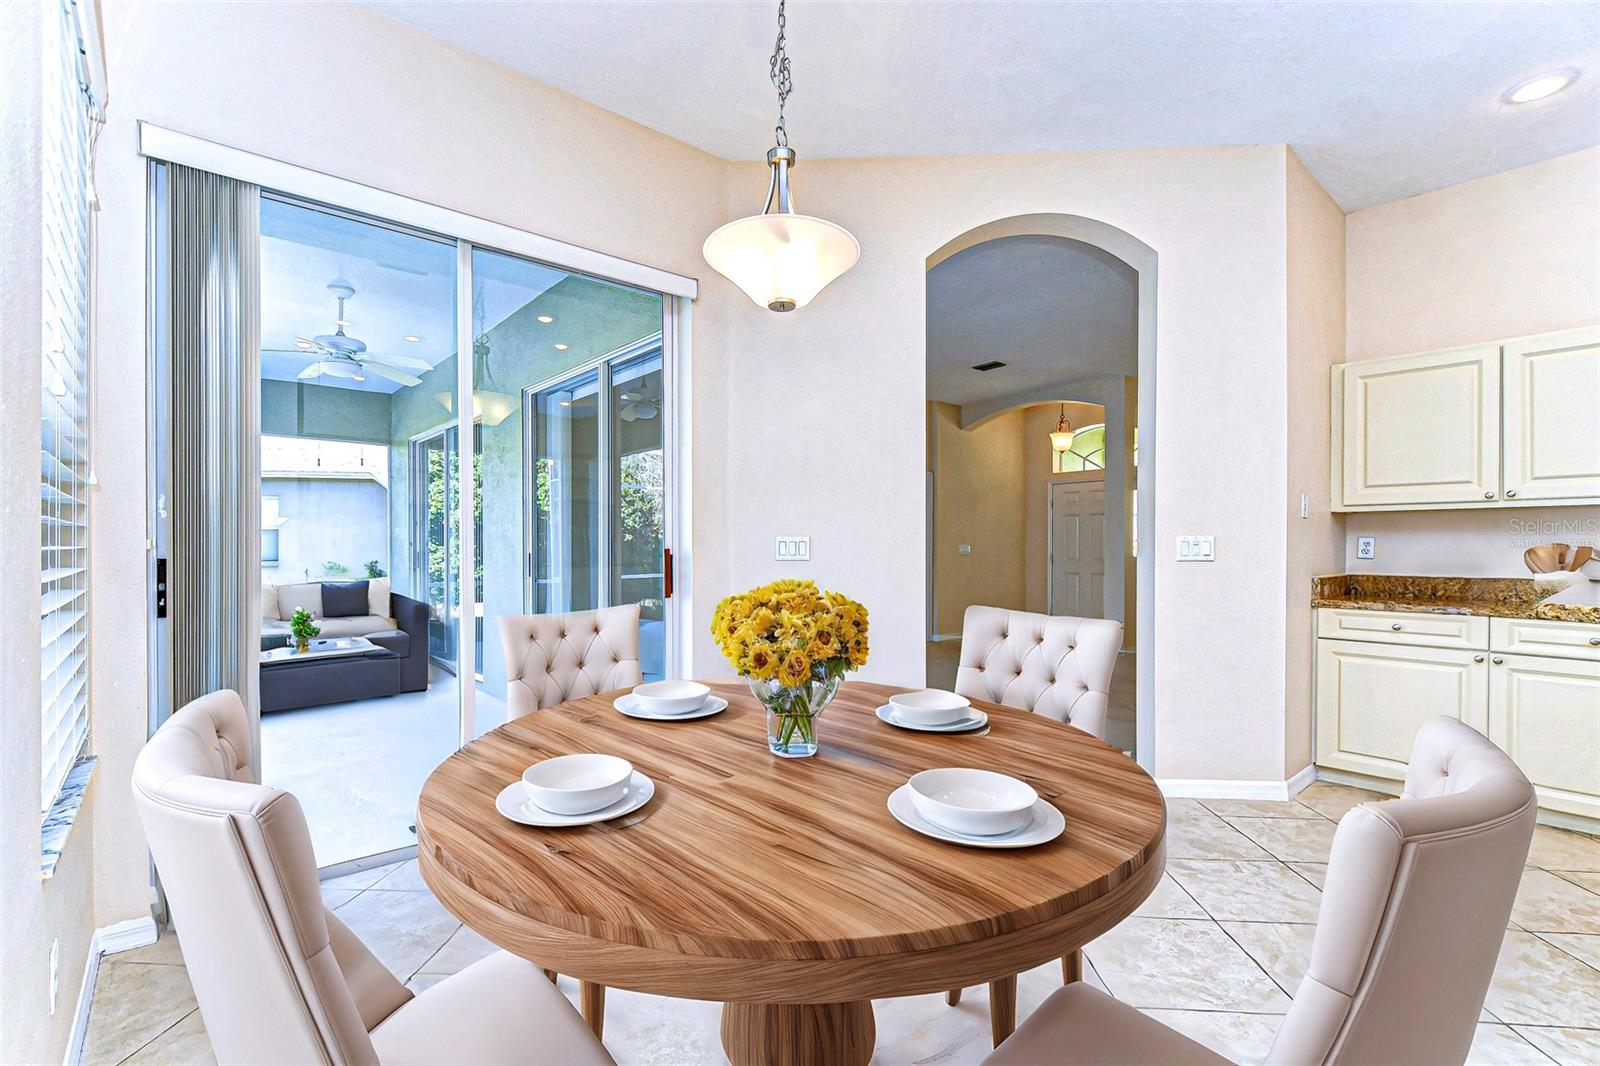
x=1216 y=952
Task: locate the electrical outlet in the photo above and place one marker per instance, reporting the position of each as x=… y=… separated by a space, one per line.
x=1366 y=547
x=963 y=549
x=793 y=549
x=55 y=972
x=1197 y=549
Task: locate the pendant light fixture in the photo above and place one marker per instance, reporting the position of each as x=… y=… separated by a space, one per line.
x=779 y=258
x=1061 y=436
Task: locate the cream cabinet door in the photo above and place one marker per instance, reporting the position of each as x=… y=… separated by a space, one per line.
x=1545 y=714
x=1423 y=429
x=1551 y=430
x=1372 y=698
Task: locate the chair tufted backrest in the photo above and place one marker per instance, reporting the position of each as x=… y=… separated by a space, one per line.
x=1414 y=907
x=1056 y=666
x=551 y=658
x=278 y=978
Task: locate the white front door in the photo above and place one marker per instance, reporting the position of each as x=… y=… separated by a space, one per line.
x=1077 y=548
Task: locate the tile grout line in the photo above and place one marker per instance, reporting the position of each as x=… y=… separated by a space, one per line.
x=159 y=1035
x=1542 y=938
x=1256 y=962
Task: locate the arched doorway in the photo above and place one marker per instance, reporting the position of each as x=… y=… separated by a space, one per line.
x=1120 y=254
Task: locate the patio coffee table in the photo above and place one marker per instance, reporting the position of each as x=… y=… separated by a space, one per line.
x=335 y=670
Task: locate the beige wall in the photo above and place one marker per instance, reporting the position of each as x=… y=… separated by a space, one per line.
x=855 y=359
x=33 y=913
x=979 y=488
x=1314 y=544
x=1504 y=256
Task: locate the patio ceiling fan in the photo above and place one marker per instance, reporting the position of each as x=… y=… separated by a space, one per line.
x=344 y=356
x=637 y=405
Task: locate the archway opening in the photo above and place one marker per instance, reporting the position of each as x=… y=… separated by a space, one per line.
x=1040 y=440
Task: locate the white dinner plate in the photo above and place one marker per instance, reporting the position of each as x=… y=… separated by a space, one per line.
x=1047 y=824
x=513 y=802
x=975 y=720
x=630 y=707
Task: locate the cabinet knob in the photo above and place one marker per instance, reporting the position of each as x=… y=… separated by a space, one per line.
x=1595 y=641
x=1497 y=660
x=1477 y=658
x=1488 y=495
x=1511 y=492
x=1395 y=627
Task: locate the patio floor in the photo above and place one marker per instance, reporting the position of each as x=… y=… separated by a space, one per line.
x=358 y=767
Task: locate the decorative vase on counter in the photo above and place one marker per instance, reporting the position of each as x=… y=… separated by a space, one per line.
x=794 y=643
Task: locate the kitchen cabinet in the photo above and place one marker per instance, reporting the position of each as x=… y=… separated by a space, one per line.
x=1530 y=685
x=1490 y=425
x=1550 y=437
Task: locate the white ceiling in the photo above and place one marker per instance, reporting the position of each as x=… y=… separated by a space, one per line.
x=1381 y=100
x=405 y=286
x=1053 y=310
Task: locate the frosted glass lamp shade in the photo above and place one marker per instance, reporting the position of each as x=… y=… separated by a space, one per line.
x=781 y=260
x=1060 y=439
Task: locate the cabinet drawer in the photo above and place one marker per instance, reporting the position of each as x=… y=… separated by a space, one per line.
x=1404 y=627
x=1537 y=636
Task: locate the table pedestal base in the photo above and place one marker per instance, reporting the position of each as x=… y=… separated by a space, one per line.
x=791 y=1034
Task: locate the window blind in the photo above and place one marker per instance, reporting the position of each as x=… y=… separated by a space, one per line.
x=64 y=417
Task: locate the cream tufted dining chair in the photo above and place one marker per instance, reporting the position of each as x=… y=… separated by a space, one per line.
x=552 y=658
x=1414 y=908
x=278 y=977
x=1056 y=666
x=1053 y=665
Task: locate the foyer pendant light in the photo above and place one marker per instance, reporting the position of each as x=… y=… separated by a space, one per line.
x=779 y=258
x=1061 y=436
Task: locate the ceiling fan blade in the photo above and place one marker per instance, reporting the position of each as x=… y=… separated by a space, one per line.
x=312 y=371
x=384 y=371
x=644 y=409
x=405 y=362
x=629 y=413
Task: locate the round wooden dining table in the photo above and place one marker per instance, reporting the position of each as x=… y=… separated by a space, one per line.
x=784 y=888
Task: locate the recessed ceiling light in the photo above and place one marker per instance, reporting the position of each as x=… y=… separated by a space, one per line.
x=1538 y=88
x=547 y=319
x=413 y=338
x=562 y=347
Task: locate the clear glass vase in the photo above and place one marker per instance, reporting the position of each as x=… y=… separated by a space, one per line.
x=792 y=712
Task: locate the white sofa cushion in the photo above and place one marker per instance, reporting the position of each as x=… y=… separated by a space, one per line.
x=378 y=595
x=356 y=626
x=293 y=597
x=269 y=603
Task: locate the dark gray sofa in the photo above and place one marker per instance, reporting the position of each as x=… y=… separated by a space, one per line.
x=404 y=633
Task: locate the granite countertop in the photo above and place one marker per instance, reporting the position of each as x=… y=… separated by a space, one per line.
x=1562 y=599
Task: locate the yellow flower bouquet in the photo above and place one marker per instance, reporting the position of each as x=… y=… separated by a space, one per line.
x=794 y=643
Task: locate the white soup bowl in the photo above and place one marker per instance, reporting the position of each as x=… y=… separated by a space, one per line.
x=975 y=802
x=671 y=697
x=931 y=706
x=577 y=784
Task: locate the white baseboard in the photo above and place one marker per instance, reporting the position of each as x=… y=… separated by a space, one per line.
x=1200 y=788
x=1297 y=784
x=107 y=940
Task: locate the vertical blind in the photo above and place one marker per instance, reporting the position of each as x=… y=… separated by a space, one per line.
x=64 y=400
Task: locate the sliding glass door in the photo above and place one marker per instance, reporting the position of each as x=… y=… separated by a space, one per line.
x=569 y=381
x=435 y=477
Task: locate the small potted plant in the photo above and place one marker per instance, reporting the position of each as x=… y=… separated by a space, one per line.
x=793 y=643
x=303 y=628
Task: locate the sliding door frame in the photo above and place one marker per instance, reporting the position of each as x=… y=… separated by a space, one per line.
x=280 y=179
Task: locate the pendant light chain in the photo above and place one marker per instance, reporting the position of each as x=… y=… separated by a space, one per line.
x=781 y=80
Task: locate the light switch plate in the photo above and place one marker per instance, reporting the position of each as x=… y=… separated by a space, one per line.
x=1366 y=547
x=963 y=549
x=1197 y=549
x=793 y=549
